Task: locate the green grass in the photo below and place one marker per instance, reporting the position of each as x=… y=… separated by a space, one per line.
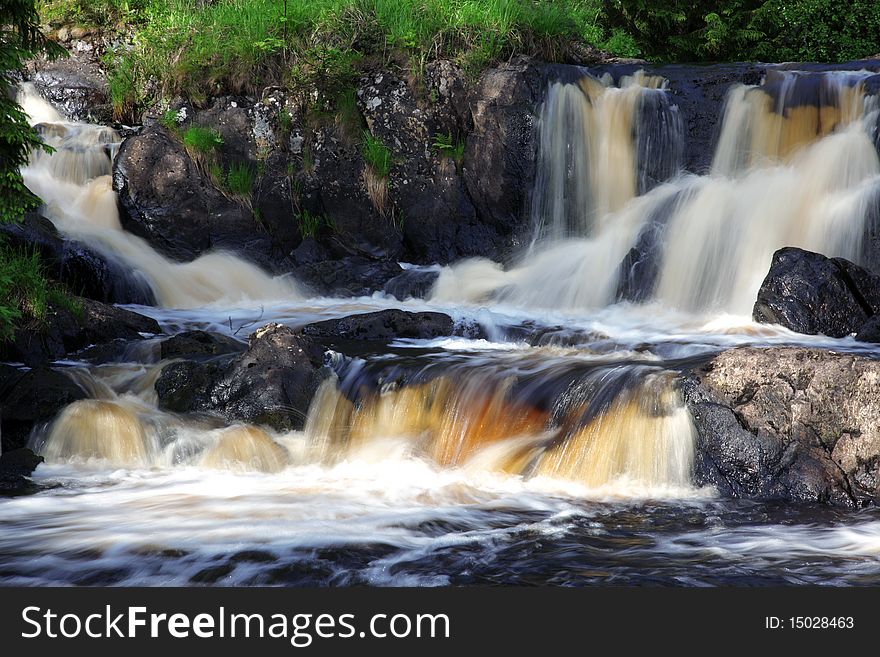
x=200 y=49
x=376 y=155
x=310 y=223
x=26 y=294
x=240 y=179
x=169 y=120
x=202 y=140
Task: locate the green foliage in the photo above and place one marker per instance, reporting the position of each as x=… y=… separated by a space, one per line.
x=819 y=30
x=24 y=289
x=770 y=30
x=447 y=145
x=26 y=293
x=376 y=155
x=240 y=179
x=202 y=140
x=285 y=122
x=347 y=114
x=20 y=39
x=169 y=120
x=310 y=223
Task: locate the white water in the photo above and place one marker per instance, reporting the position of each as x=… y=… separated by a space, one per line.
x=784 y=175
x=76 y=186
x=438 y=484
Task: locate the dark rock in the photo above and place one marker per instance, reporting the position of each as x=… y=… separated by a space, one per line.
x=342 y=275
x=75 y=86
x=186 y=386
x=272 y=383
x=788 y=423
x=30 y=398
x=65 y=331
x=166 y=199
x=809 y=293
x=499 y=158
x=870 y=331
x=385 y=325
x=21 y=462
x=82 y=269
x=195 y=344
x=411 y=284
x=333 y=187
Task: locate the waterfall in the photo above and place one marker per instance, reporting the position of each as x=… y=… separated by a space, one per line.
x=75 y=185
x=600 y=146
x=795 y=165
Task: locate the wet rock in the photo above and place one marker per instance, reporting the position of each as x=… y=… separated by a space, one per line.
x=76 y=86
x=332 y=178
x=870 y=331
x=166 y=199
x=196 y=344
x=499 y=158
x=411 y=284
x=788 y=423
x=29 y=398
x=66 y=330
x=350 y=275
x=272 y=383
x=21 y=462
x=809 y=293
x=385 y=325
x=82 y=269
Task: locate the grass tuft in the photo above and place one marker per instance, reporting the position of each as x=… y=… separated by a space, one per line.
x=202 y=140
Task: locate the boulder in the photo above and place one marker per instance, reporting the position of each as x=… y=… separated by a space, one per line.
x=199 y=344
x=66 y=330
x=167 y=199
x=788 y=423
x=15 y=468
x=438 y=221
x=29 y=398
x=76 y=86
x=499 y=157
x=411 y=284
x=272 y=383
x=384 y=326
x=80 y=268
x=809 y=293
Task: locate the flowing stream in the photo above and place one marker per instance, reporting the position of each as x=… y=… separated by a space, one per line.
x=557 y=450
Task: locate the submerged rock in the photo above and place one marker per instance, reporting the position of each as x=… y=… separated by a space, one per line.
x=788 y=423
x=411 y=284
x=385 y=325
x=809 y=293
x=272 y=383
x=29 y=398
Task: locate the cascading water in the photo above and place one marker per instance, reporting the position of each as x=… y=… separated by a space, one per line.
x=565 y=458
x=75 y=184
x=795 y=165
x=600 y=146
